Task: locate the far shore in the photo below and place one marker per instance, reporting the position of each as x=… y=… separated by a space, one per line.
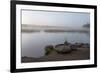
x=53 y=30
x=39 y=28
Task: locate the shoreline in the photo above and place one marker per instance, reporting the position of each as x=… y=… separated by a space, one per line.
x=80 y=54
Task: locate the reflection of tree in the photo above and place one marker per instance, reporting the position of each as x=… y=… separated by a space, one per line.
x=87 y=25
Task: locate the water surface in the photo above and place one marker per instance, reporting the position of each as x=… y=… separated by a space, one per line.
x=33 y=43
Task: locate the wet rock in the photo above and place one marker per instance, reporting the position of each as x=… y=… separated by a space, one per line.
x=63 y=49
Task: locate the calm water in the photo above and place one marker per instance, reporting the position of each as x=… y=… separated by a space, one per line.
x=33 y=43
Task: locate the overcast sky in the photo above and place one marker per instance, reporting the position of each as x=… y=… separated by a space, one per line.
x=51 y=18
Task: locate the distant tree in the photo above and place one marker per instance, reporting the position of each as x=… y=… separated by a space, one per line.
x=87 y=25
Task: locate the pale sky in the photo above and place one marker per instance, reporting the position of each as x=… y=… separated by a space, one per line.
x=50 y=18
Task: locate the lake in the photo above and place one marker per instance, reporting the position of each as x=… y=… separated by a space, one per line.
x=33 y=43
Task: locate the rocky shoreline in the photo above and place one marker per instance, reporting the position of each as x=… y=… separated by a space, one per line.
x=61 y=52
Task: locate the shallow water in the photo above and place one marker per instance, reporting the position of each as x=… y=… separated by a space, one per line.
x=33 y=43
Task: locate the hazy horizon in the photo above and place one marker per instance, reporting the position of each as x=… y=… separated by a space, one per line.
x=50 y=18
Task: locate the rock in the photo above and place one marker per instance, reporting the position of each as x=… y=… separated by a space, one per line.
x=86 y=46
x=73 y=47
x=66 y=43
x=49 y=46
x=59 y=45
x=48 y=49
x=63 y=49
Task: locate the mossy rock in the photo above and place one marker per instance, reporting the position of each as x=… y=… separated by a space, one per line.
x=49 y=49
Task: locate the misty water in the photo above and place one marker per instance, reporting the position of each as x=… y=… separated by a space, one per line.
x=33 y=43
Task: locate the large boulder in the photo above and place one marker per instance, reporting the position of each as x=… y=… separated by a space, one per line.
x=63 y=49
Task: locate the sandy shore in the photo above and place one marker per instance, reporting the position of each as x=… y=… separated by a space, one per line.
x=79 y=54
